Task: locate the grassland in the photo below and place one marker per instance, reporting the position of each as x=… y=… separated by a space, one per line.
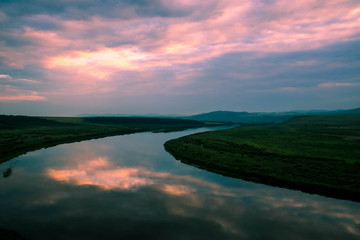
x=20 y=134
x=315 y=154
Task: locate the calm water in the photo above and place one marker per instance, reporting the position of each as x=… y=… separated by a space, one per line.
x=128 y=187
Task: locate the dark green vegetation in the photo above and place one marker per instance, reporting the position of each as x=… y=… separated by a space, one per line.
x=315 y=154
x=264 y=117
x=6 y=234
x=20 y=134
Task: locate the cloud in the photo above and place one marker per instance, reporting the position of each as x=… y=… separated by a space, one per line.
x=230 y=27
x=337 y=84
x=151 y=47
x=9 y=93
x=10 y=79
x=5 y=76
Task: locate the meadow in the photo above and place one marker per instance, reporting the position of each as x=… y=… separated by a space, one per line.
x=315 y=154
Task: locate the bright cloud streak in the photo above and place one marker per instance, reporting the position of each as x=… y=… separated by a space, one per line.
x=5 y=76
x=23 y=97
x=334 y=84
x=104 y=58
x=8 y=93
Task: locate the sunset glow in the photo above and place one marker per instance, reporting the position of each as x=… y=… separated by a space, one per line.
x=137 y=57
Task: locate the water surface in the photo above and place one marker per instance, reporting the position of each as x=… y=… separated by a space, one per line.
x=129 y=187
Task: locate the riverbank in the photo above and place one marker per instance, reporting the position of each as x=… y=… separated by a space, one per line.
x=314 y=154
x=21 y=134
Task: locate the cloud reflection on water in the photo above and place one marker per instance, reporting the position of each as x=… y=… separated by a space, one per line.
x=102 y=173
x=107 y=188
x=99 y=172
x=189 y=201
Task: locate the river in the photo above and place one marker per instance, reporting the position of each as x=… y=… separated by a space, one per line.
x=129 y=187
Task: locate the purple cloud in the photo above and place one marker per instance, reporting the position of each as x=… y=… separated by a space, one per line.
x=143 y=49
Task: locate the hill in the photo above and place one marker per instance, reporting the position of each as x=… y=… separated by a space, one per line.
x=264 y=117
x=241 y=117
x=316 y=154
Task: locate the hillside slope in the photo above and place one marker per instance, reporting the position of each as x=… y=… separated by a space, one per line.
x=316 y=154
x=264 y=117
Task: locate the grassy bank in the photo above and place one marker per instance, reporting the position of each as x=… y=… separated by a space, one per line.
x=20 y=134
x=315 y=154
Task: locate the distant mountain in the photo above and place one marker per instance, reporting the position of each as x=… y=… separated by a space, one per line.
x=101 y=115
x=241 y=117
x=355 y=111
x=237 y=117
x=263 y=117
x=130 y=115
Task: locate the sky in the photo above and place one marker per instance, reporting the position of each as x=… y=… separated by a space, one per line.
x=70 y=57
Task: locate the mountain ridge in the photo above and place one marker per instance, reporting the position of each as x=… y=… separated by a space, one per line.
x=265 y=117
x=238 y=117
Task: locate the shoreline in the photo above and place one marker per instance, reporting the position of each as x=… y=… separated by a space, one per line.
x=341 y=194
x=316 y=155
x=33 y=147
x=22 y=134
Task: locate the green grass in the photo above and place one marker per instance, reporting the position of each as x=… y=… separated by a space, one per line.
x=76 y=120
x=316 y=154
x=20 y=134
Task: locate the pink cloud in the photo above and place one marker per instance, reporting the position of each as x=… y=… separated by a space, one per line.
x=285 y=27
x=9 y=93
x=22 y=97
x=5 y=76
x=95 y=54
